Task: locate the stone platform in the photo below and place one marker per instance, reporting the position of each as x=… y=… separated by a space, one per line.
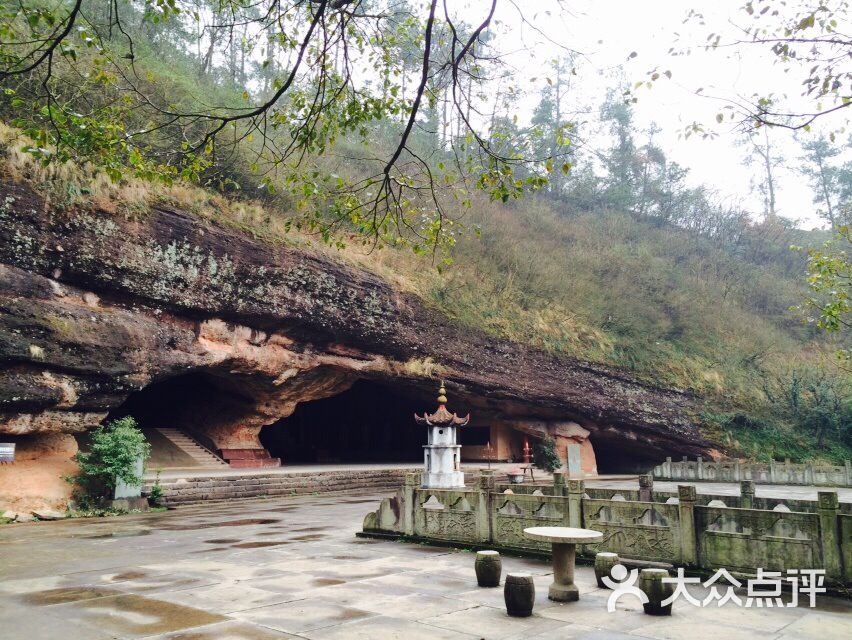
x=293 y=568
x=185 y=487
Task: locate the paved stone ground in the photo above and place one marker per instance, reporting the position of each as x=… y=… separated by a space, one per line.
x=261 y=570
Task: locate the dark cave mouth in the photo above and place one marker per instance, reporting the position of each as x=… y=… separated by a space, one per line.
x=369 y=422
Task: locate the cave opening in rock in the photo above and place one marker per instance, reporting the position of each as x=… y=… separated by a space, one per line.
x=369 y=422
x=616 y=456
x=189 y=405
x=162 y=403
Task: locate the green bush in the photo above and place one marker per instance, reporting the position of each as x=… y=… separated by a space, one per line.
x=545 y=456
x=155 y=495
x=115 y=448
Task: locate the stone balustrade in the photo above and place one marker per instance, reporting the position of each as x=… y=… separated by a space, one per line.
x=762 y=473
x=678 y=530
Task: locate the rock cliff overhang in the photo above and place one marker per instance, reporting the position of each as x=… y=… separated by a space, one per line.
x=94 y=306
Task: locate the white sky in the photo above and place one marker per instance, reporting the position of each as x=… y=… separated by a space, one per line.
x=607 y=31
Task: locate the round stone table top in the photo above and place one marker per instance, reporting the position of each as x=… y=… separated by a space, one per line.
x=563 y=535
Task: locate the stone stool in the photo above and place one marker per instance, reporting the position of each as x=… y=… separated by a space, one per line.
x=651 y=583
x=488 y=568
x=519 y=594
x=604 y=562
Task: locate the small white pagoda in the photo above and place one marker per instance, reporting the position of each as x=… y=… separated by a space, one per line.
x=442 y=453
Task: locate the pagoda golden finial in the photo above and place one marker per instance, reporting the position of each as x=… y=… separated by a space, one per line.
x=442 y=394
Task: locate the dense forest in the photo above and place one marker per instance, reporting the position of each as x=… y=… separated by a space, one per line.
x=387 y=133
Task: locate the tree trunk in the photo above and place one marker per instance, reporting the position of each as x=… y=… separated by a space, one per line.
x=826 y=195
x=771 y=210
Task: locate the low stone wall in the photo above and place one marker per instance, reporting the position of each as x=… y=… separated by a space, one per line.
x=201 y=489
x=771 y=473
x=719 y=534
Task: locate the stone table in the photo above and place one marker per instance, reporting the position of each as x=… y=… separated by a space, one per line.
x=564 y=541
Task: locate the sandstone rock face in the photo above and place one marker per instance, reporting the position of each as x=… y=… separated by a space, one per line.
x=94 y=307
x=35 y=479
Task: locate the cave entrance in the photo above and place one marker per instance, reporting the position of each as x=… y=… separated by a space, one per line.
x=616 y=456
x=176 y=414
x=369 y=422
x=165 y=403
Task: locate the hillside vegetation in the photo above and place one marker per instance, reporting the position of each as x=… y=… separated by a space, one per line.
x=610 y=256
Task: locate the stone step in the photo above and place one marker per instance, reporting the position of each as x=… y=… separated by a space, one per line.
x=255 y=463
x=192 y=448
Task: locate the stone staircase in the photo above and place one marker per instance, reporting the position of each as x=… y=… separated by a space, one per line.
x=204 y=457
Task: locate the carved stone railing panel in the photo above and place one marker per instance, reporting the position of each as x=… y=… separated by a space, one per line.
x=744 y=539
x=525 y=488
x=446 y=514
x=513 y=513
x=607 y=494
x=637 y=530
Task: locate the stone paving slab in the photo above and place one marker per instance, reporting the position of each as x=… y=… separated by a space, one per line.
x=198 y=573
x=231 y=630
x=303 y=615
x=388 y=628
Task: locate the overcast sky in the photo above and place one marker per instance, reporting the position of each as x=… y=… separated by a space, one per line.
x=606 y=32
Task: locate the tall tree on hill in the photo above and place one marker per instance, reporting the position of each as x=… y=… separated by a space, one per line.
x=620 y=160
x=831 y=184
x=762 y=153
x=552 y=122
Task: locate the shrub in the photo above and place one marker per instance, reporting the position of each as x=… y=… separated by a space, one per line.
x=115 y=448
x=545 y=456
x=155 y=495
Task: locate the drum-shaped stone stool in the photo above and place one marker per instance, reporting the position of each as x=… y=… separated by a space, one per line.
x=651 y=583
x=604 y=562
x=519 y=594
x=488 y=568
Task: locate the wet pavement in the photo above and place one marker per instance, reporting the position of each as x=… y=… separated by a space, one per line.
x=293 y=568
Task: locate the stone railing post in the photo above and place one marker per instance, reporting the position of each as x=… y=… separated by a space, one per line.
x=746 y=494
x=773 y=473
x=737 y=471
x=559 y=483
x=576 y=488
x=828 y=507
x=848 y=465
x=412 y=482
x=646 y=488
x=809 y=473
x=686 y=512
x=699 y=468
x=485 y=488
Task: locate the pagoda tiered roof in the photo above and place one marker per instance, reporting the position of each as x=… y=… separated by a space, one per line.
x=442 y=417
